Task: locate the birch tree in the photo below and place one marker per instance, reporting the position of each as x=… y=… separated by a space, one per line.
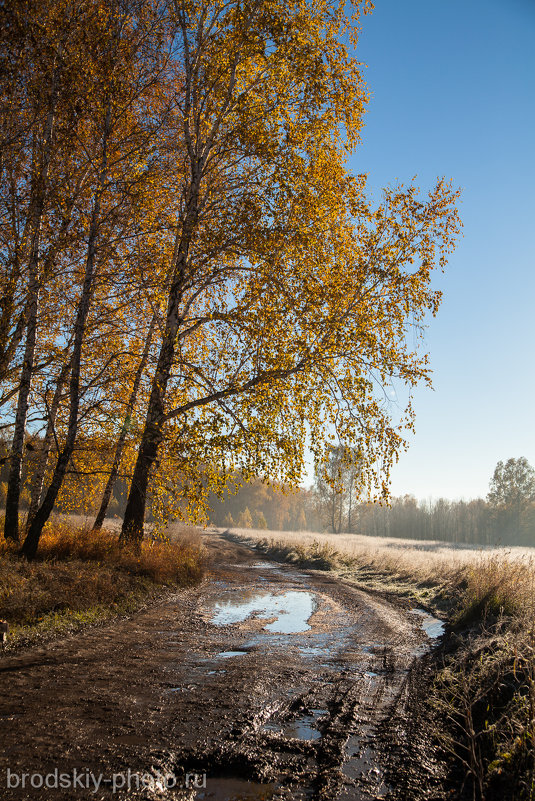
x=302 y=293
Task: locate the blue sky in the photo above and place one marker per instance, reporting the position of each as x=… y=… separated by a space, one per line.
x=452 y=87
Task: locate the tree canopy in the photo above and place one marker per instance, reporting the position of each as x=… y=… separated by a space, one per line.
x=195 y=283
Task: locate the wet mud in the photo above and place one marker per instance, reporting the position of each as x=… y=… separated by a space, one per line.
x=265 y=682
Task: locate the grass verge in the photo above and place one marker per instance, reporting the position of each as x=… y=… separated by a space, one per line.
x=83 y=577
x=479 y=686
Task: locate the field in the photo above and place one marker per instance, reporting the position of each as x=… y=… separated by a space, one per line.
x=455 y=579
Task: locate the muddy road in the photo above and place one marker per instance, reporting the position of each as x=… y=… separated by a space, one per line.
x=265 y=682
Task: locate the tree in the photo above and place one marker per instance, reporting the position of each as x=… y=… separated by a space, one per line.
x=121 y=115
x=512 y=492
x=301 y=295
x=245 y=520
x=337 y=485
x=183 y=162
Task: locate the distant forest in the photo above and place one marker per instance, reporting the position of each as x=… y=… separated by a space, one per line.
x=505 y=517
x=473 y=522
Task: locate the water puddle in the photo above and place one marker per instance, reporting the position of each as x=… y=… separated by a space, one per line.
x=228 y=654
x=181 y=689
x=303 y=728
x=229 y=789
x=291 y=611
x=361 y=770
x=374 y=649
x=311 y=651
x=433 y=627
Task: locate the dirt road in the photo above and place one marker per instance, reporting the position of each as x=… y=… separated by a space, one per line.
x=265 y=682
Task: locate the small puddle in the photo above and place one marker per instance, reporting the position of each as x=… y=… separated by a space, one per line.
x=228 y=654
x=291 y=611
x=182 y=689
x=374 y=649
x=229 y=789
x=303 y=728
x=361 y=769
x=433 y=627
x=312 y=651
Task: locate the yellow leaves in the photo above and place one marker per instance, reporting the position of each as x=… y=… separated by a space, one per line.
x=296 y=296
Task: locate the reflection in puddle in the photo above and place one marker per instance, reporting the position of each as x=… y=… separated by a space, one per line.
x=228 y=789
x=227 y=654
x=304 y=728
x=291 y=610
x=313 y=650
x=433 y=627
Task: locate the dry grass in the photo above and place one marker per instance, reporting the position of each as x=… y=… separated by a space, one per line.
x=481 y=695
x=82 y=576
x=466 y=582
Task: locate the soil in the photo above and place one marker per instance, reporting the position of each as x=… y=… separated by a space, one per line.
x=194 y=698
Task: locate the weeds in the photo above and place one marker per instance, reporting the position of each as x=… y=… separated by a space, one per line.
x=81 y=576
x=483 y=691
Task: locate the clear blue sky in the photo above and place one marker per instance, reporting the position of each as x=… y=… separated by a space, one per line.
x=453 y=93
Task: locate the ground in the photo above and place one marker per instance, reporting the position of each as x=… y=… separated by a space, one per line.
x=198 y=694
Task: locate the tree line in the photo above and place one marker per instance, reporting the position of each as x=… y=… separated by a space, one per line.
x=505 y=517
x=192 y=282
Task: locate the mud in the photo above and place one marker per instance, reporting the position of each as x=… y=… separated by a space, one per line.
x=265 y=682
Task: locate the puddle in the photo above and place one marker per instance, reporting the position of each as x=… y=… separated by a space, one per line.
x=228 y=654
x=186 y=688
x=303 y=728
x=216 y=672
x=361 y=769
x=291 y=611
x=376 y=648
x=228 y=789
x=433 y=627
x=313 y=650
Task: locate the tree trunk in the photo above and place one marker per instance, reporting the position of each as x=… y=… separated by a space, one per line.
x=42 y=459
x=349 y=521
x=124 y=430
x=29 y=548
x=134 y=516
x=11 y=524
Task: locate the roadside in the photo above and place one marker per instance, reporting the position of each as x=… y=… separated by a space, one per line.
x=463 y=724
x=205 y=685
x=82 y=578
